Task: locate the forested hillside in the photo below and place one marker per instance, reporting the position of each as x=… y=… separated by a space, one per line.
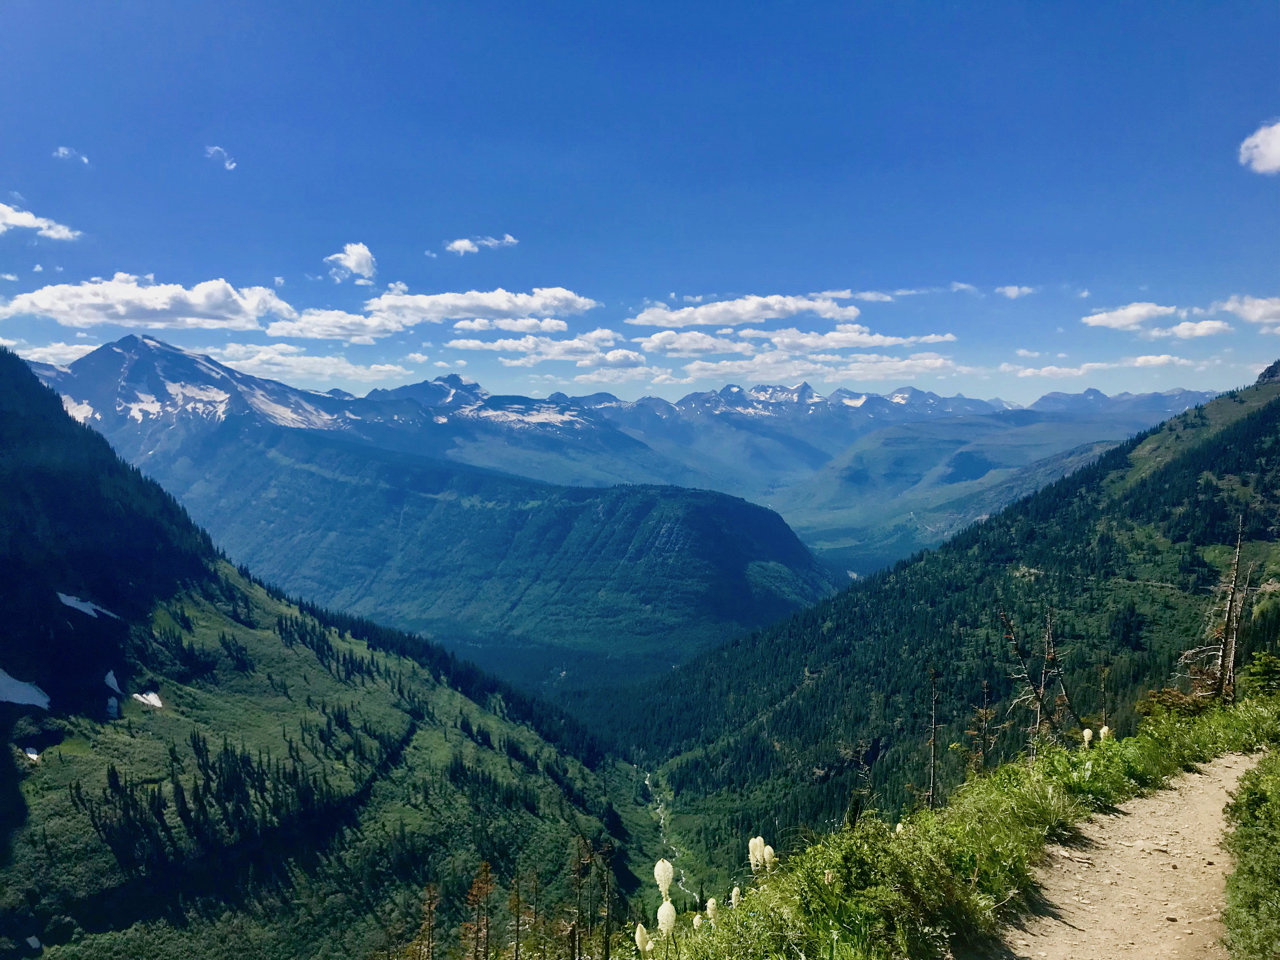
x=194 y=766
x=545 y=584
x=1125 y=560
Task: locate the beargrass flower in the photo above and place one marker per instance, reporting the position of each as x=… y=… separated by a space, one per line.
x=1104 y=734
x=768 y=858
x=735 y=898
x=1088 y=737
x=697 y=920
x=828 y=877
x=712 y=909
x=662 y=874
x=755 y=853
x=643 y=943
x=667 y=918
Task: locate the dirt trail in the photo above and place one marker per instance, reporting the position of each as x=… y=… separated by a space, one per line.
x=1146 y=882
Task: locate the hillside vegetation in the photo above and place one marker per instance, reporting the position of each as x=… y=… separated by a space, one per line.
x=217 y=772
x=546 y=584
x=1124 y=559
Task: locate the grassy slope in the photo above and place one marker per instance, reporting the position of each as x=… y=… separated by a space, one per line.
x=770 y=729
x=620 y=580
x=341 y=777
x=871 y=892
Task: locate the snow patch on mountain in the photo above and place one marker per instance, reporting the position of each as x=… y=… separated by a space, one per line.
x=80 y=412
x=13 y=690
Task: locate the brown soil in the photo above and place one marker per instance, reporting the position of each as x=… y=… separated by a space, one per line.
x=1145 y=882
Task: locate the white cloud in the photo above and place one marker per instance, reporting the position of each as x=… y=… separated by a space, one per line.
x=1263 y=310
x=397 y=287
x=430 y=254
x=463 y=246
x=627 y=374
x=688 y=299
x=1261 y=151
x=8 y=276
x=417 y=358
x=958 y=287
x=1189 y=329
x=691 y=343
x=125 y=302
x=217 y=153
x=37 y=269
x=58 y=354
x=587 y=350
x=1128 y=318
x=14 y=219
x=1014 y=292
x=1083 y=294
x=1027 y=353
x=1059 y=373
x=750 y=309
x=522 y=325
x=283 y=360
x=845 y=336
x=354 y=258
x=393 y=312
x=67 y=153
x=781 y=366
x=279 y=281
x=872 y=296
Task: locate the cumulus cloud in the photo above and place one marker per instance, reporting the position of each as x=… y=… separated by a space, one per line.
x=8 y=276
x=958 y=287
x=282 y=360
x=1189 y=329
x=1260 y=152
x=129 y=301
x=690 y=343
x=59 y=354
x=417 y=358
x=1014 y=292
x=1128 y=318
x=67 y=153
x=586 y=350
x=1262 y=310
x=750 y=309
x=279 y=281
x=613 y=375
x=521 y=325
x=12 y=218
x=393 y=312
x=1059 y=373
x=463 y=245
x=355 y=258
x=780 y=365
x=845 y=336
x=1027 y=353
x=217 y=153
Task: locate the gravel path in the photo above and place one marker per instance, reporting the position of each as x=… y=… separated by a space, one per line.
x=1147 y=881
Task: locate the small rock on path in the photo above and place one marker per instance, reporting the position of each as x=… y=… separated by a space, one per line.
x=1146 y=883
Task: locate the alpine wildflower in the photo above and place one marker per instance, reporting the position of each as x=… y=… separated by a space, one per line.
x=735 y=898
x=697 y=920
x=770 y=861
x=712 y=909
x=1104 y=734
x=662 y=874
x=667 y=918
x=1088 y=737
x=755 y=853
x=828 y=877
x=643 y=943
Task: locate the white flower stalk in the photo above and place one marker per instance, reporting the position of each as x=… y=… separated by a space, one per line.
x=1104 y=734
x=1088 y=737
x=755 y=853
x=712 y=909
x=735 y=898
x=770 y=861
x=667 y=918
x=643 y=943
x=697 y=920
x=828 y=877
x=662 y=873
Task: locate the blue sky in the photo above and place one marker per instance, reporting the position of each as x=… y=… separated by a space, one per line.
x=997 y=199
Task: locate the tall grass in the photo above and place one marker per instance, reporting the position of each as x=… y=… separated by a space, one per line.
x=1253 y=890
x=882 y=892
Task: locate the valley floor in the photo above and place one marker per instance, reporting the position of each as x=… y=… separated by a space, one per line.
x=1144 y=882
